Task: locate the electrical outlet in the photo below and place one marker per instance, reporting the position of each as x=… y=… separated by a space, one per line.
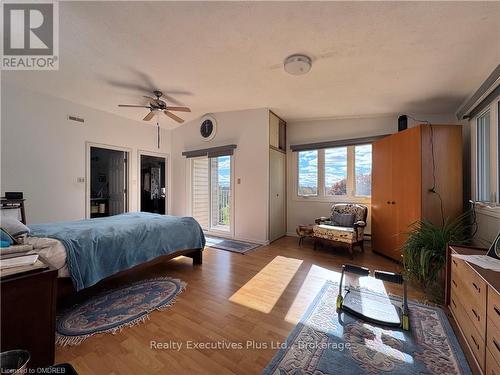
x=80 y=180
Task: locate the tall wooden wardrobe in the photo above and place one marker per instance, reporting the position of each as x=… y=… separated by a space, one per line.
x=406 y=166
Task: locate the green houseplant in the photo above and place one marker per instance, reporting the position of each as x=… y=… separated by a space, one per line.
x=424 y=252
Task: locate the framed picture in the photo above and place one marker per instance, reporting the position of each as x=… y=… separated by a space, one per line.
x=494 y=250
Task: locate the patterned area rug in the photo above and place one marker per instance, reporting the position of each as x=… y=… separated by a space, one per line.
x=325 y=342
x=111 y=311
x=230 y=245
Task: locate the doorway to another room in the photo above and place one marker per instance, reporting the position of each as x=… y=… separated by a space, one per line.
x=153 y=183
x=107 y=181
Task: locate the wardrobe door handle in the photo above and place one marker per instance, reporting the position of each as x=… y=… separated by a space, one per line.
x=496 y=310
x=388 y=202
x=454 y=304
x=393 y=202
x=454 y=283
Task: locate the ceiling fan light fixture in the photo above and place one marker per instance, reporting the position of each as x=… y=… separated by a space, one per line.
x=297 y=64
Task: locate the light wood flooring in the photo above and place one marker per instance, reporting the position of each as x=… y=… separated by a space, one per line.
x=251 y=300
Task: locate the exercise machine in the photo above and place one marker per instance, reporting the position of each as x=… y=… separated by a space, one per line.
x=376 y=309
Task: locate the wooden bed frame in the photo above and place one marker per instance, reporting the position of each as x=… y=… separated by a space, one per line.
x=66 y=289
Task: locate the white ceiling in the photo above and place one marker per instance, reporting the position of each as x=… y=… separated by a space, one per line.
x=369 y=58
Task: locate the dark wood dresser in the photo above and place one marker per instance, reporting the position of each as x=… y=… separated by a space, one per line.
x=29 y=314
x=473 y=298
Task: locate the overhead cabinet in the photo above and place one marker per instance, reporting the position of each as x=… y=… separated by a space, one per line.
x=406 y=167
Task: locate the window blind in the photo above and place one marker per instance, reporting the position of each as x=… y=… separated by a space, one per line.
x=211 y=152
x=332 y=144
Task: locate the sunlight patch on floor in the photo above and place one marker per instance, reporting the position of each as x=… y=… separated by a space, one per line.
x=314 y=281
x=263 y=290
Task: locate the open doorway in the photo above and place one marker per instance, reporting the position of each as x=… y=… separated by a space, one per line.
x=108 y=181
x=153 y=183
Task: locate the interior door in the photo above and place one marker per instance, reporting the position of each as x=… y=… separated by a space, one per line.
x=108 y=182
x=383 y=221
x=407 y=183
x=277 y=198
x=153 y=192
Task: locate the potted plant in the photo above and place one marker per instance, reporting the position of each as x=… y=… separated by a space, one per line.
x=424 y=252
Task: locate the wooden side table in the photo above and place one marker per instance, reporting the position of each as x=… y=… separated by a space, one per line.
x=304 y=231
x=28 y=320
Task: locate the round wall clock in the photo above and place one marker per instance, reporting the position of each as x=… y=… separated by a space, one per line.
x=208 y=127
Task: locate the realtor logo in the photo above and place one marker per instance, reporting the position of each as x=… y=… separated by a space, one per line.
x=30 y=36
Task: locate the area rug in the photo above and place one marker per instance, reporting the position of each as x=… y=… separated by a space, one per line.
x=325 y=342
x=111 y=311
x=230 y=245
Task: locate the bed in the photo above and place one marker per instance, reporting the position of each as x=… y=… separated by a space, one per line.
x=88 y=251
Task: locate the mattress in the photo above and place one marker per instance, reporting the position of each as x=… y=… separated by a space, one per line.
x=53 y=251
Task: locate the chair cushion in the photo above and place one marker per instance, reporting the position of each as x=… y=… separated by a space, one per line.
x=343 y=220
x=335 y=233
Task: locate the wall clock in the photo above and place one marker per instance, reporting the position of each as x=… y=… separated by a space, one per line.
x=208 y=127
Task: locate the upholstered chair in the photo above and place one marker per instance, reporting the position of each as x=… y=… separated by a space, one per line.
x=345 y=226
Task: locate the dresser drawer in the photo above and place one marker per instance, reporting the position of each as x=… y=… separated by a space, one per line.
x=471 y=335
x=494 y=306
x=493 y=340
x=492 y=367
x=472 y=300
x=470 y=284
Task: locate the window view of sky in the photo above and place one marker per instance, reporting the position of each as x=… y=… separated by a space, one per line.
x=363 y=169
x=308 y=172
x=224 y=169
x=336 y=171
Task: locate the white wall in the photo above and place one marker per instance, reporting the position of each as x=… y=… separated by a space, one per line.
x=43 y=153
x=249 y=130
x=301 y=211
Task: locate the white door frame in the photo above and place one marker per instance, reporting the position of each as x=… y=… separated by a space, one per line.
x=165 y=156
x=88 y=146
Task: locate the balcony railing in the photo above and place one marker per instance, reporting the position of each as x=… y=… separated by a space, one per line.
x=223 y=206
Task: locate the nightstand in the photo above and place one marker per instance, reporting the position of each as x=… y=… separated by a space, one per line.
x=28 y=320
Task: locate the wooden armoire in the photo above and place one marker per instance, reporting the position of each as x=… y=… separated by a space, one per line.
x=406 y=166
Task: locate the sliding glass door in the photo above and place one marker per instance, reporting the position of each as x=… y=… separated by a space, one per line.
x=211 y=192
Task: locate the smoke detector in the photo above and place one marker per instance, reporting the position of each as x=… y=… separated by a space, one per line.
x=297 y=64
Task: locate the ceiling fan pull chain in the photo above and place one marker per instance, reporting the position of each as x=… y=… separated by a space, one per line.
x=158 y=130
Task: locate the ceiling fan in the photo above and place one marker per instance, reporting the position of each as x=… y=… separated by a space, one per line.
x=156 y=105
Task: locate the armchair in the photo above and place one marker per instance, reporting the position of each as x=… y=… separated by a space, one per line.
x=345 y=226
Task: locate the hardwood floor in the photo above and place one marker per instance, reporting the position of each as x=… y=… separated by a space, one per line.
x=251 y=300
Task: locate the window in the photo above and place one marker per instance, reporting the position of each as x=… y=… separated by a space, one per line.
x=336 y=171
x=344 y=173
x=308 y=173
x=211 y=192
x=363 y=170
x=483 y=157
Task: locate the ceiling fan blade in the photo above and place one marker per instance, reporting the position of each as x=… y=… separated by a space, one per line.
x=179 y=109
x=173 y=117
x=132 y=105
x=149 y=116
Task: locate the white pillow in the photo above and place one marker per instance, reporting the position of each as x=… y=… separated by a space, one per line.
x=13 y=226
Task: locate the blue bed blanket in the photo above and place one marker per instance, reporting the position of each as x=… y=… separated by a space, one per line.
x=98 y=248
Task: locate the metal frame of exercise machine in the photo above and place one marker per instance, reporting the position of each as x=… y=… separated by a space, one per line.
x=376 y=312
